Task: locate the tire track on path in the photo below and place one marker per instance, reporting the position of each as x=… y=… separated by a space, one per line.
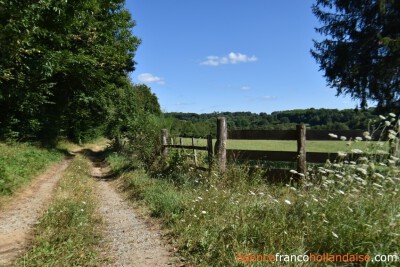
x=18 y=219
x=129 y=240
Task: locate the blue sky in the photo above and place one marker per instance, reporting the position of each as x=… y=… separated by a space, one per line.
x=230 y=55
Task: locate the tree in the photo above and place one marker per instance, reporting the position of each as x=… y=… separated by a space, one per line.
x=59 y=64
x=361 y=53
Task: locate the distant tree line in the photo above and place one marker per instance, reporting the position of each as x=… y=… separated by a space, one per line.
x=200 y=125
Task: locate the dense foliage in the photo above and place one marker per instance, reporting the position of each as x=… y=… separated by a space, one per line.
x=200 y=125
x=63 y=69
x=361 y=54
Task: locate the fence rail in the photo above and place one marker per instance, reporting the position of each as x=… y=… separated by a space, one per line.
x=208 y=148
x=301 y=135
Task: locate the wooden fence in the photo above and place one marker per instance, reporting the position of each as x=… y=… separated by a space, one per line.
x=301 y=135
x=208 y=148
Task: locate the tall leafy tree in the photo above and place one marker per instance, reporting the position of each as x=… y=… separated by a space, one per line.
x=361 y=52
x=59 y=62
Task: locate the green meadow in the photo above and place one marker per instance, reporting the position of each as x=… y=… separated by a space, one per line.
x=279 y=145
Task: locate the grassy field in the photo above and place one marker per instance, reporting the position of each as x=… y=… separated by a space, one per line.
x=278 y=145
x=19 y=163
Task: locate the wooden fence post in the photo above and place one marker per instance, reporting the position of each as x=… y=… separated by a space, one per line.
x=220 y=145
x=210 y=151
x=301 y=149
x=164 y=134
x=194 y=154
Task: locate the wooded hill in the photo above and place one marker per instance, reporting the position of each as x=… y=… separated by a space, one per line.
x=192 y=124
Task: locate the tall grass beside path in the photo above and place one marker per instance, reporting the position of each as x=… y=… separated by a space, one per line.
x=19 y=163
x=67 y=234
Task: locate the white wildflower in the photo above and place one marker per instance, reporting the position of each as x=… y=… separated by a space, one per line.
x=342 y=154
x=293 y=171
x=203 y=212
x=363 y=171
x=382 y=117
x=335 y=235
x=392 y=115
x=333 y=135
x=350 y=209
x=358 y=138
x=387 y=123
x=288 y=202
x=343 y=138
x=357 y=151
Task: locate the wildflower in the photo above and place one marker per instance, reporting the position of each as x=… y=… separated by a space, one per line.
x=195 y=216
x=382 y=117
x=82 y=210
x=343 y=138
x=335 y=235
x=387 y=123
x=377 y=185
x=288 y=202
x=363 y=171
x=357 y=151
x=261 y=193
x=293 y=171
x=392 y=115
x=203 y=212
x=365 y=134
x=342 y=154
x=199 y=198
x=333 y=135
x=350 y=209
x=358 y=138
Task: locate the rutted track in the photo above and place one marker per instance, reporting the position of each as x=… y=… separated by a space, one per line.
x=18 y=219
x=129 y=240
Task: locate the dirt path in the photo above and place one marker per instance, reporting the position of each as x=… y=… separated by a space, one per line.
x=18 y=219
x=128 y=239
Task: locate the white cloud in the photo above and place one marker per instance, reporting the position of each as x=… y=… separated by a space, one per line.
x=267 y=97
x=150 y=78
x=245 y=88
x=231 y=58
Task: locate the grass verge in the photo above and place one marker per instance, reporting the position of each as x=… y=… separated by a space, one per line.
x=67 y=233
x=19 y=163
x=218 y=218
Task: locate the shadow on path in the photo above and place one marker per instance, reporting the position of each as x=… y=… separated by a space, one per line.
x=101 y=169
